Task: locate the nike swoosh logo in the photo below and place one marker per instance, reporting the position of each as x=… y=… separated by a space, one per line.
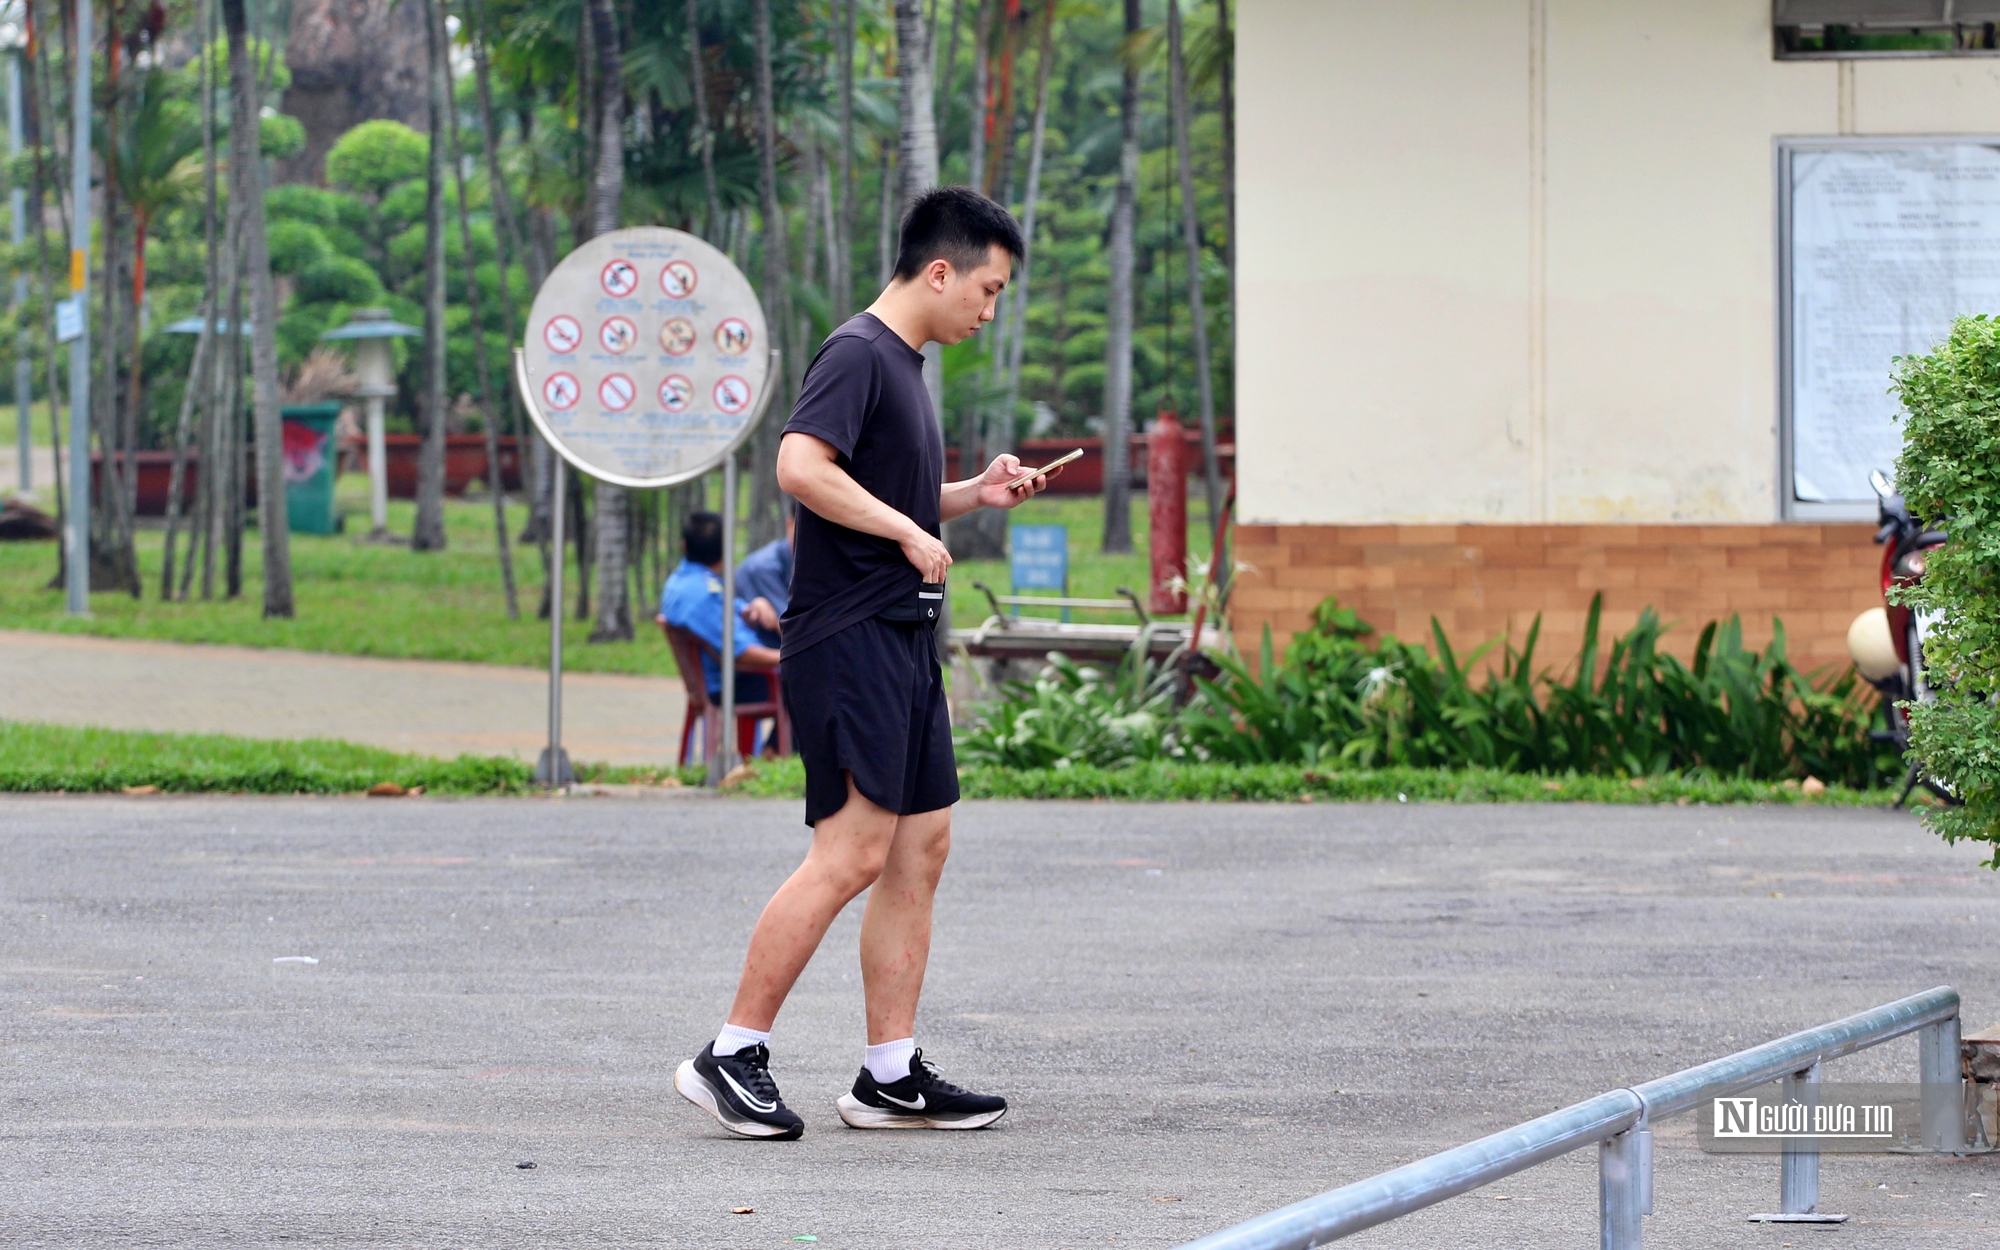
x=755 y=1104
x=918 y=1105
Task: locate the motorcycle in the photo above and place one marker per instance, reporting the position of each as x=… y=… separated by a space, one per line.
x=1887 y=643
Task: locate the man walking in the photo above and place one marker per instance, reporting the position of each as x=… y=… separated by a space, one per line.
x=863 y=457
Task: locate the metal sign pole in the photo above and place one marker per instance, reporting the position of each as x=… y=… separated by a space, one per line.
x=725 y=754
x=553 y=769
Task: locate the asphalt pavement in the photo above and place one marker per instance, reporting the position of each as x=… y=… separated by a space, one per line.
x=1200 y=1012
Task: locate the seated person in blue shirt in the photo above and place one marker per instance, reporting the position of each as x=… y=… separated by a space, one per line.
x=692 y=600
x=766 y=576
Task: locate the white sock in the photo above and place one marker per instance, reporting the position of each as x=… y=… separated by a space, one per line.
x=733 y=1039
x=890 y=1062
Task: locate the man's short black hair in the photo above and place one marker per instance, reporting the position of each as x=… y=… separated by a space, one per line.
x=701 y=537
x=955 y=224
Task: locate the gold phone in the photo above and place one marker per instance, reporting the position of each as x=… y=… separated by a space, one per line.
x=1057 y=463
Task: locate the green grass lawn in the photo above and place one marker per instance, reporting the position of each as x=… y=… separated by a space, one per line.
x=352 y=597
x=42 y=758
x=358 y=598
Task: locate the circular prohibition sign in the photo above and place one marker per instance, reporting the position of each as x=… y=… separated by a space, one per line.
x=616 y=392
x=620 y=278
x=562 y=334
x=676 y=393
x=732 y=395
x=618 y=334
x=561 y=391
x=657 y=403
x=679 y=279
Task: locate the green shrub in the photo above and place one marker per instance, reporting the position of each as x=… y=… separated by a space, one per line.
x=1338 y=700
x=376 y=155
x=1950 y=469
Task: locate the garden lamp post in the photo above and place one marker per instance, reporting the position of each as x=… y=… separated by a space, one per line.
x=370 y=330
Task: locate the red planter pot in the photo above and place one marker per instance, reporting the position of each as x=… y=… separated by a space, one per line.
x=464 y=462
x=156 y=470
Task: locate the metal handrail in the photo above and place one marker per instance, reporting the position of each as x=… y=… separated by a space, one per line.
x=1619 y=1121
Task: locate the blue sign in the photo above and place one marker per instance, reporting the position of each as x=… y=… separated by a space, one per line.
x=1040 y=557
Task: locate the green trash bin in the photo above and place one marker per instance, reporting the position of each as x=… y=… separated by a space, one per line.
x=310 y=460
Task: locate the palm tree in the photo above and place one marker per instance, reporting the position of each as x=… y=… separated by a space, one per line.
x=429 y=534
x=1118 y=308
x=765 y=515
x=246 y=168
x=1191 y=239
x=614 y=605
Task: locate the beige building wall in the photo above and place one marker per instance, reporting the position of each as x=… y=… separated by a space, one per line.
x=1514 y=262
x=1506 y=335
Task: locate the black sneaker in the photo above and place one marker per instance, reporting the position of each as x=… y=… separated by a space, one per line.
x=923 y=1099
x=739 y=1092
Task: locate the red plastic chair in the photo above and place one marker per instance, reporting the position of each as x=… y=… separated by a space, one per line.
x=688 y=653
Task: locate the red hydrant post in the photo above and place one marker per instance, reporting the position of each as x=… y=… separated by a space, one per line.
x=1166 y=501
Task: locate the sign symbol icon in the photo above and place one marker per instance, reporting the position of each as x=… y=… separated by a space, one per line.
x=732 y=395
x=678 y=279
x=617 y=335
x=732 y=336
x=616 y=392
x=676 y=393
x=620 y=278
x=561 y=391
x=562 y=334
x=677 y=337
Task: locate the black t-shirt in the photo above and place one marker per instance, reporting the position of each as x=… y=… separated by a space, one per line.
x=864 y=396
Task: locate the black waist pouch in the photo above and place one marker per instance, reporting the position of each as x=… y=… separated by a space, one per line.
x=920 y=606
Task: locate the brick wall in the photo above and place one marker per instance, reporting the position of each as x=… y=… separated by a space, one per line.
x=1478 y=580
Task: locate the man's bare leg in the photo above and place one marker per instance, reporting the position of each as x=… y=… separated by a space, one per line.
x=896 y=927
x=849 y=849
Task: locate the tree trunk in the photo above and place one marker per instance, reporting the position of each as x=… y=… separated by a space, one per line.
x=918 y=153
x=698 y=83
x=614 y=604
x=1118 y=310
x=1228 y=105
x=1191 y=239
x=429 y=534
x=508 y=236
x=204 y=351
x=766 y=520
x=40 y=105
x=232 y=404
x=1017 y=334
x=1000 y=155
x=842 y=278
x=273 y=525
x=982 y=87
x=885 y=218
x=488 y=408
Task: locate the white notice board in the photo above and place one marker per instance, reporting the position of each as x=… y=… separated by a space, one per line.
x=1883 y=242
x=646 y=357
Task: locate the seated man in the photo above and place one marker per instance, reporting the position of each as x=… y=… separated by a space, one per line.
x=692 y=600
x=766 y=577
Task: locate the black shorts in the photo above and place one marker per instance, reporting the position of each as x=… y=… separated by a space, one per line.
x=869 y=700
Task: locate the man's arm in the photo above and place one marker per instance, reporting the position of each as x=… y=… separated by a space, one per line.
x=991 y=489
x=809 y=471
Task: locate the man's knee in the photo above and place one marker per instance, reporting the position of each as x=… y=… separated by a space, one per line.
x=855 y=865
x=924 y=842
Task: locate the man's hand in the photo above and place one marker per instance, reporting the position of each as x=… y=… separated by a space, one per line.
x=927 y=554
x=760 y=613
x=992 y=489
x=996 y=488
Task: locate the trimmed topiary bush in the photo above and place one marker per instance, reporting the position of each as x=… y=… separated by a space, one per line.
x=1950 y=474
